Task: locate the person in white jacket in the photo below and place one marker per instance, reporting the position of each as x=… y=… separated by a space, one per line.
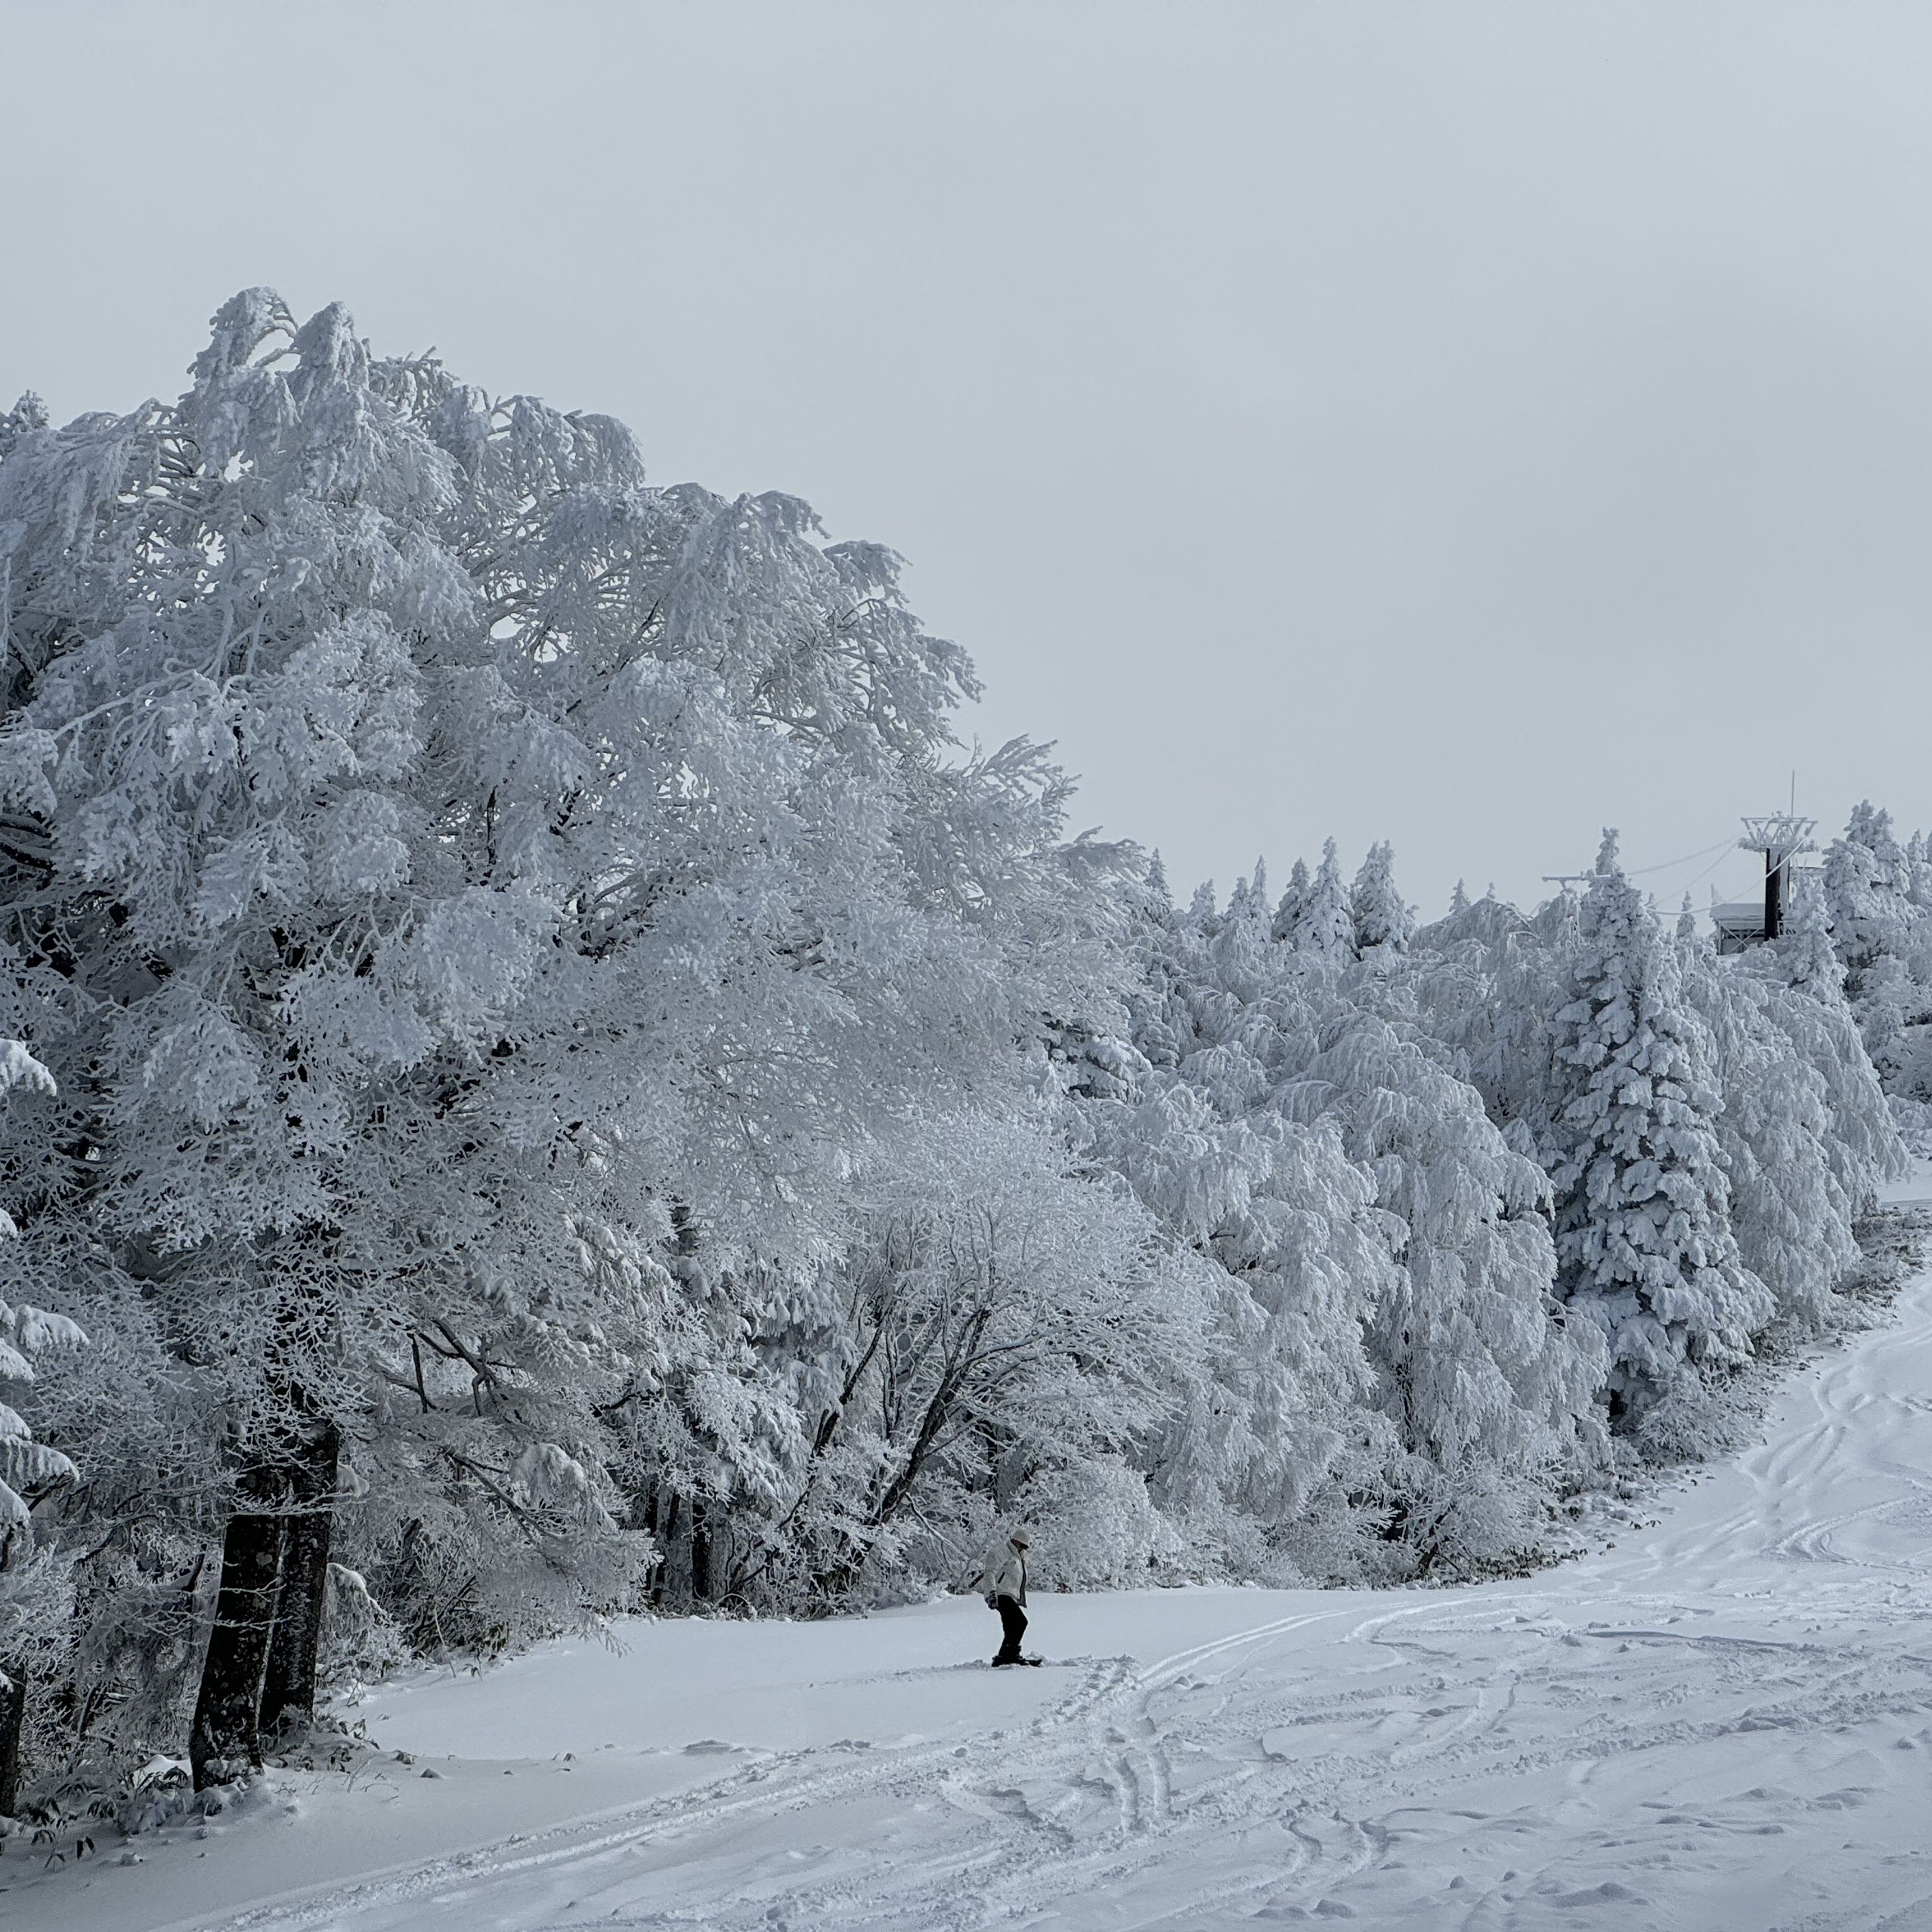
x=1005 y=1579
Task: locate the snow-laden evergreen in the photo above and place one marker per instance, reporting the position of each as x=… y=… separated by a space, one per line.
x=554 y=1084
x=1791 y=1211
x=1288 y=910
x=1802 y=1126
x=1643 y=1239
x=1381 y=917
x=1324 y=924
x=1450 y=1340
x=1489 y=1381
x=1275 y=1433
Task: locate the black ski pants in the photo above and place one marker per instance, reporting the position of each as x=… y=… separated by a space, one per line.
x=1012 y=1628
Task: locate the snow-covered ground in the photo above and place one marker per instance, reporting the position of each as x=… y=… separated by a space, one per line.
x=1723 y=1722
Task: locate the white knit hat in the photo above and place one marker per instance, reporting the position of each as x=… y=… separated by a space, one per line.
x=1021 y=1537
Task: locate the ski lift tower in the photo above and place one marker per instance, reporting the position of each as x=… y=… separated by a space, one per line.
x=1780 y=836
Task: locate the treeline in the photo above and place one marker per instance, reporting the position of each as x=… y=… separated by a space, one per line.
x=546 y=1084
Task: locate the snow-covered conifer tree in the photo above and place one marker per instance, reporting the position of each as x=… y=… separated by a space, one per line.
x=1279 y=1429
x=1918 y=871
x=1486 y=981
x=1859 y=1141
x=1803 y=949
x=1380 y=917
x=1489 y=1386
x=1324 y=928
x=1643 y=1242
x=1295 y=896
x=1868 y=883
x=1788 y=1212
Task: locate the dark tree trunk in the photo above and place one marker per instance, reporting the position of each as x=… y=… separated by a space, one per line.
x=225 y=1743
x=288 y=1684
x=13 y=1718
x=703 y=1589
x=667 y=1530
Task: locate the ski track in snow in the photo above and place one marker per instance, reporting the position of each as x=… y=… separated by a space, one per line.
x=1725 y=1723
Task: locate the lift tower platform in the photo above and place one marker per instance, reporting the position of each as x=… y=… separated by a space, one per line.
x=1780 y=836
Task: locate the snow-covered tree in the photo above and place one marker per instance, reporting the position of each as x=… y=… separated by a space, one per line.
x=1324 y=930
x=1868 y=882
x=1489 y=1386
x=1918 y=871
x=970 y=1386
x=1859 y=1140
x=1883 y=939
x=1487 y=982
x=1279 y=1430
x=1643 y=1241
x=1788 y=1211
x=1294 y=897
x=1381 y=917
x=1804 y=949
x=470 y=898
x=28 y=1593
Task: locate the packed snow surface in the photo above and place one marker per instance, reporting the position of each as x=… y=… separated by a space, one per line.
x=1724 y=1721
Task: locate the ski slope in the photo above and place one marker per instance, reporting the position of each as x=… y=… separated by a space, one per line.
x=1724 y=1722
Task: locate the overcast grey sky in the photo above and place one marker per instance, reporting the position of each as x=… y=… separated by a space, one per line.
x=1465 y=425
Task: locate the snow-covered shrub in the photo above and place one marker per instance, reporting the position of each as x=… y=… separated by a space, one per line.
x=1095 y=1526
x=1011 y=1328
